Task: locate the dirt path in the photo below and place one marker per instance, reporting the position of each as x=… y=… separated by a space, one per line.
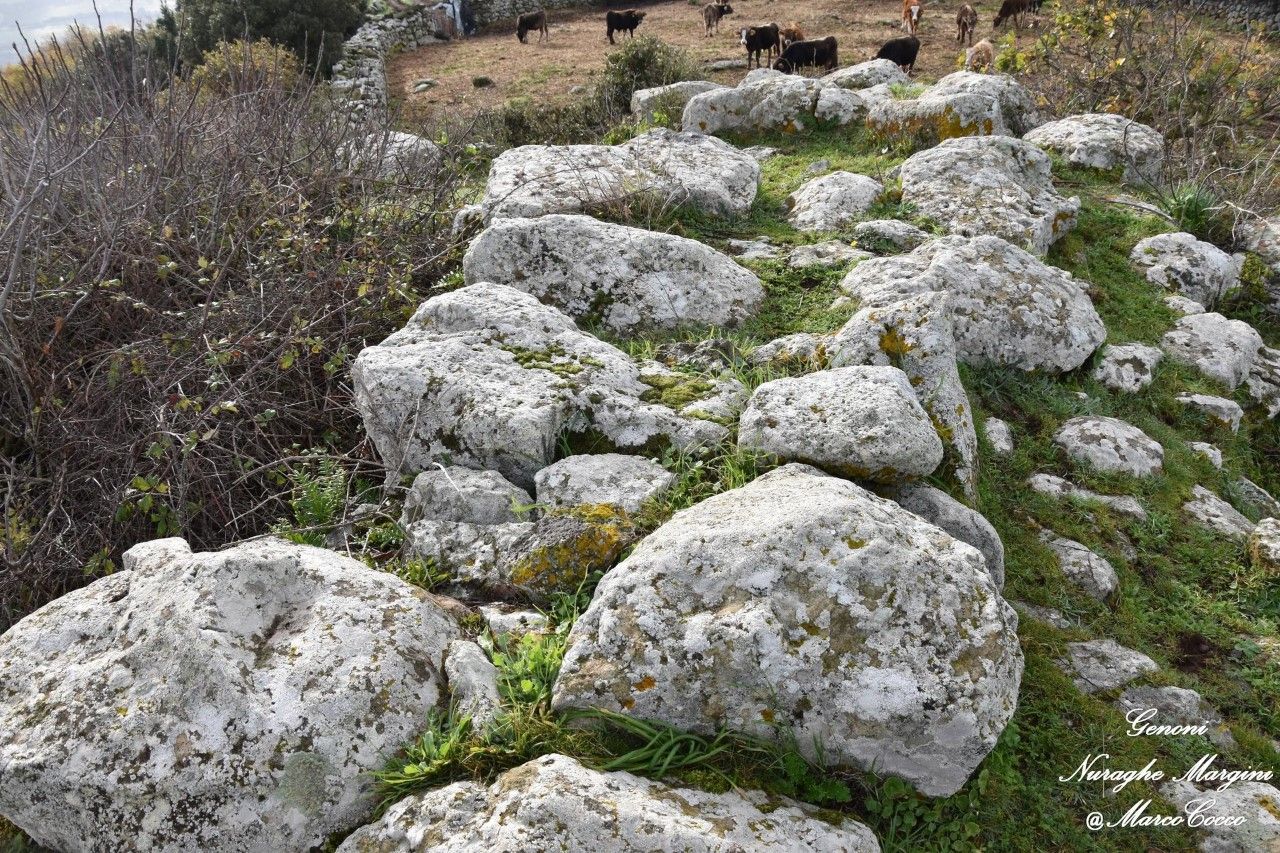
x=575 y=52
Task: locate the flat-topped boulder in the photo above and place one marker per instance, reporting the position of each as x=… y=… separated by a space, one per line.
x=1100 y=665
x=1007 y=307
x=829 y=253
x=942 y=117
x=660 y=166
x=1195 y=269
x=1207 y=510
x=603 y=478
x=1221 y=409
x=555 y=803
x=770 y=100
x=1057 y=487
x=993 y=185
x=455 y=493
x=864 y=75
x=1104 y=141
x=487 y=377
x=1110 y=445
x=215 y=701
x=878 y=233
x=1241 y=818
x=670 y=99
x=1222 y=349
x=832 y=201
x=627 y=279
x=1017 y=108
x=804 y=601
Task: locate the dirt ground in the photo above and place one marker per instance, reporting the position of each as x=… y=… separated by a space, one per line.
x=574 y=53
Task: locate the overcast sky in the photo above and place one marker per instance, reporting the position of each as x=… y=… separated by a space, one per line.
x=40 y=18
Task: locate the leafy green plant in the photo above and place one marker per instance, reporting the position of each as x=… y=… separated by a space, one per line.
x=527 y=666
x=1196 y=208
x=318 y=499
x=643 y=63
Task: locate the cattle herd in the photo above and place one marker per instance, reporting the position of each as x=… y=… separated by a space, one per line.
x=786 y=49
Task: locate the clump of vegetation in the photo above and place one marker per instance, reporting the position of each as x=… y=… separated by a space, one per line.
x=642 y=63
x=240 y=68
x=313 y=29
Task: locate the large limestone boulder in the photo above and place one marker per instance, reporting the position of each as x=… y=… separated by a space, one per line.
x=832 y=201
x=1007 y=307
x=766 y=100
x=959 y=114
x=1128 y=368
x=1243 y=818
x=554 y=803
x=989 y=186
x=215 y=701
x=806 y=601
x=860 y=422
x=627 y=279
x=670 y=99
x=487 y=377
x=626 y=482
x=916 y=336
x=1110 y=445
x=968 y=525
x=1223 y=350
x=660 y=167
x=1016 y=105
x=1105 y=141
x=864 y=75
x=1198 y=270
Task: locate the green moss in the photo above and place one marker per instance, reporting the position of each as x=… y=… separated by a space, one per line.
x=675 y=390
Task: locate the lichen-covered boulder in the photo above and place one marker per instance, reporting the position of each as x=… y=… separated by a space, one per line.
x=877 y=233
x=1195 y=269
x=832 y=201
x=1128 y=368
x=1222 y=349
x=1207 y=510
x=1007 y=307
x=1242 y=818
x=1263 y=381
x=860 y=422
x=1016 y=105
x=661 y=166
x=236 y=700
x=487 y=377
x=802 y=348
x=991 y=185
x=968 y=525
x=1208 y=451
x=555 y=803
x=765 y=100
x=455 y=493
x=602 y=478
x=1255 y=498
x=829 y=253
x=1100 y=665
x=1083 y=568
x=670 y=99
x=804 y=601
x=1176 y=706
x=1224 y=411
x=397 y=156
x=1104 y=141
x=838 y=106
x=1264 y=547
x=945 y=117
x=627 y=279
x=1111 y=445
x=864 y=75
x=915 y=335
x=1057 y=487
x=1262 y=237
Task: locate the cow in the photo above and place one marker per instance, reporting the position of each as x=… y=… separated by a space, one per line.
x=711 y=15
x=530 y=21
x=622 y=22
x=902 y=51
x=911 y=14
x=760 y=38
x=814 y=52
x=980 y=57
x=966 y=23
x=791 y=32
x=1011 y=9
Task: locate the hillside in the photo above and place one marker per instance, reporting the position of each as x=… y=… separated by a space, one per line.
x=854 y=462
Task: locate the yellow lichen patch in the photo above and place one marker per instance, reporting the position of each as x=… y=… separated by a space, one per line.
x=894 y=344
x=646 y=683
x=571 y=545
x=766 y=714
x=1270 y=805
x=855 y=544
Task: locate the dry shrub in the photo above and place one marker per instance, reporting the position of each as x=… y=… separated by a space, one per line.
x=187 y=274
x=241 y=67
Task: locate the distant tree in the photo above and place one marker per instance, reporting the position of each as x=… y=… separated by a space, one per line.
x=312 y=29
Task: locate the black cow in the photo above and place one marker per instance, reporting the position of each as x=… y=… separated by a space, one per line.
x=902 y=51
x=622 y=22
x=815 y=52
x=1011 y=9
x=763 y=37
x=530 y=21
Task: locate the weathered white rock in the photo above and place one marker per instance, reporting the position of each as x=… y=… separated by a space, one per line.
x=1208 y=451
x=861 y=422
x=1227 y=412
x=487 y=377
x=1105 y=141
x=801 y=348
x=555 y=803
x=604 y=478
x=1016 y=105
x=933 y=116
x=1100 y=665
x=1221 y=349
x=455 y=493
x=1263 y=381
x=1007 y=307
x=1054 y=486
x=502 y=621
x=1127 y=367
x=1212 y=512
x=915 y=335
x=1047 y=615
x=992 y=185
x=197 y=700
x=628 y=279
x=1257 y=499
x=864 y=75
x=832 y=201
x=1110 y=444
x=767 y=100
x=894 y=232
x=1082 y=567
x=1256 y=802
x=968 y=525
x=1264 y=546
x=803 y=600
x=473 y=682
x=670 y=99
x=1175 y=706
x=759 y=249
x=660 y=166
x=397 y=156
x=1262 y=237
x=838 y=105
x=1198 y=270
x=999 y=436
x=829 y=253
x=1182 y=306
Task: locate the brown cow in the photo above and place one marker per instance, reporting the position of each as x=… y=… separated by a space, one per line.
x=966 y=23
x=791 y=32
x=711 y=15
x=911 y=15
x=530 y=21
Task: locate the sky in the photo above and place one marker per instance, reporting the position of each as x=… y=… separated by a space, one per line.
x=40 y=18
